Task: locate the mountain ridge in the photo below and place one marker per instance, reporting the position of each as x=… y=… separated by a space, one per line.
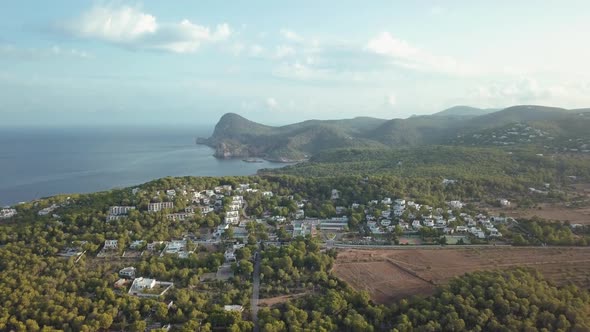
x=237 y=137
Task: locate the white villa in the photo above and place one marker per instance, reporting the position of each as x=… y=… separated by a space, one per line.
x=141 y=285
x=128 y=272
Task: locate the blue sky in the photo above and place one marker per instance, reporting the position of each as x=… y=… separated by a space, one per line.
x=185 y=62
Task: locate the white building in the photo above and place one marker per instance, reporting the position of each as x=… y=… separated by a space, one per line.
x=180 y=216
x=156 y=207
x=456 y=204
x=335 y=194
x=7 y=213
x=235 y=308
x=232 y=214
x=111 y=244
x=299 y=214
x=128 y=272
x=152 y=246
x=47 y=210
x=334 y=224
x=206 y=209
x=136 y=244
x=143 y=283
x=504 y=202
x=120 y=210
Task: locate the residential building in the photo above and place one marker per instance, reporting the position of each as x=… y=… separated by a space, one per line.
x=7 y=213
x=154 y=245
x=111 y=217
x=206 y=209
x=111 y=244
x=234 y=308
x=47 y=210
x=334 y=224
x=120 y=210
x=136 y=244
x=400 y=202
x=180 y=216
x=141 y=285
x=156 y=207
x=128 y=272
x=335 y=194
x=456 y=204
x=299 y=214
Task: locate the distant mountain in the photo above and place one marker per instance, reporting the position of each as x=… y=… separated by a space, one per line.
x=465 y=111
x=234 y=136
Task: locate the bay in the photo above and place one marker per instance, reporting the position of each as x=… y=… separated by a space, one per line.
x=40 y=162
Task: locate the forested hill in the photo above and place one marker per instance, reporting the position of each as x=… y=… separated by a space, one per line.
x=235 y=136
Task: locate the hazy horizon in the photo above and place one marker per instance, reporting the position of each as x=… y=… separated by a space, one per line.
x=148 y=63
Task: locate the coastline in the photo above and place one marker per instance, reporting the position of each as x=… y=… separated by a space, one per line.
x=54 y=161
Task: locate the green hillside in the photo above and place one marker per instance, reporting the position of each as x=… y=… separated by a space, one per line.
x=553 y=128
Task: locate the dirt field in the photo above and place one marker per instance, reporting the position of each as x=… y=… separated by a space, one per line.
x=271 y=301
x=390 y=275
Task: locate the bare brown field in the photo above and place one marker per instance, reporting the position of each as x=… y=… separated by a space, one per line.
x=271 y=301
x=390 y=275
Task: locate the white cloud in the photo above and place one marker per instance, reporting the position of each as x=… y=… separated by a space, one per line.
x=282 y=51
x=12 y=51
x=299 y=71
x=391 y=100
x=271 y=103
x=117 y=25
x=291 y=36
x=402 y=54
x=256 y=50
x=530 y=91
x=129 y=26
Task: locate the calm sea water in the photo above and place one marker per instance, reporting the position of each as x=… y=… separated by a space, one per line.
x=37 y=163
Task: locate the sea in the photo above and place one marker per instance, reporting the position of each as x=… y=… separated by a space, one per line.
x=36 y=163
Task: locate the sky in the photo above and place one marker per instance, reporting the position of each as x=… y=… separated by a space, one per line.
x=189 y=62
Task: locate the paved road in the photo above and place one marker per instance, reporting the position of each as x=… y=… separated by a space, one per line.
x=255 y=291
x=450 y=247
x=244 y=214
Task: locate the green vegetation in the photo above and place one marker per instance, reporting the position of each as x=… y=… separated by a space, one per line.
x=516 y=300
x=483 y=173
x=555 y=129
x=295 y=268
x=39 y=290
x=536 y=231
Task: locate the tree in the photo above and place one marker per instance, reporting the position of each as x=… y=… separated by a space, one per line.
x=246 y=267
